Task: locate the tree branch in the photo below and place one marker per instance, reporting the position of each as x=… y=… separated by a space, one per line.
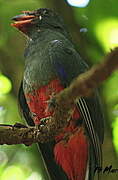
x=83 y=85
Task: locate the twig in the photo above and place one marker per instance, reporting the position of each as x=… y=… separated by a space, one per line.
x=24 y=135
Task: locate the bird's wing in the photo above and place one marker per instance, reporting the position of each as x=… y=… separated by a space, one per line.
x=24 y=109
x=68 y=65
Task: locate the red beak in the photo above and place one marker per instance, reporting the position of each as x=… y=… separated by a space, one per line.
x=23 y=20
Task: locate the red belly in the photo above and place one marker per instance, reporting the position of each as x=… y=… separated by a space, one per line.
x=38 y=100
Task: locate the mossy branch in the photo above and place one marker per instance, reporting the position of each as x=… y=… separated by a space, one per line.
x=82 y=86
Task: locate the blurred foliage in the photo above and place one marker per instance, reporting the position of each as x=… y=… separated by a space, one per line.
x=5 y=85
x=98 y=29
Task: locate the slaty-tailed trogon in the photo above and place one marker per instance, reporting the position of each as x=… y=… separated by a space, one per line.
x=51 y=63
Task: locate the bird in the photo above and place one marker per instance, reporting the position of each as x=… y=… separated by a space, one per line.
x=51 y=64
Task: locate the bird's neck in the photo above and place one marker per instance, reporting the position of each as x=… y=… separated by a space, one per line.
x=46 y=32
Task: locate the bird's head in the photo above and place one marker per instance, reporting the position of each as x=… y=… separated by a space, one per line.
x=37 y=19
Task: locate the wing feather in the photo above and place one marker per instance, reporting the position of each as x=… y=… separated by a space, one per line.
x=83 y=108
x=68 y=65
